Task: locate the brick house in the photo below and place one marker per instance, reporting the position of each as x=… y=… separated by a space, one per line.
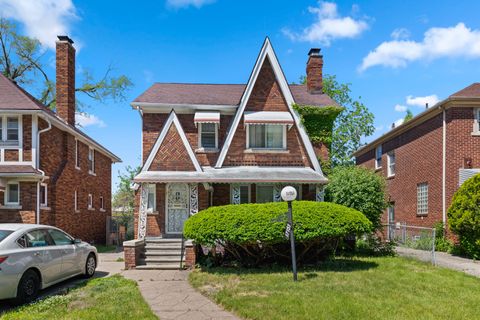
x=216 y=144
x=50 y=171
x=426 y=159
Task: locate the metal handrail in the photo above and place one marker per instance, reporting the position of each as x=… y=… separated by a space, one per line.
x=181 y=252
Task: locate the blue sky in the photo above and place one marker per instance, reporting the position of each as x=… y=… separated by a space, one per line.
x=396 y=54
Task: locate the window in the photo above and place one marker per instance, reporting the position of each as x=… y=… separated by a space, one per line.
x=12 y=128
x=37 y=238
x=77 y=154
x=476 y=121
x=13 y=193
x=91 y=160
x=101 y=204
x=43 y=195
x=60 y=238
x=90 y=201
x=391 y=163
x=266 y=136
x=244 y=193
x=264 y=194
x=391 y=213
x=4 y=234
x=378 y=157
x=422 y=198
x=151 y=198
x=76 y=201
x=207 y=135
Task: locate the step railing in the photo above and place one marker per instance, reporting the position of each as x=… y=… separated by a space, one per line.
x=182 y=252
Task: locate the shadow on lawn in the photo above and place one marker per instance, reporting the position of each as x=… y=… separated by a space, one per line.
x=308 y=272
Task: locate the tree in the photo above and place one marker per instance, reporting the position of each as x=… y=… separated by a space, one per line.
x=464 y=216
x=351 y=125
x=408 y=116
x=358 y=188
x=21 y=60
x=124 y=199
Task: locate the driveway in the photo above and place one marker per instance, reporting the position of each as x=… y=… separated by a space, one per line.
x=107 y=266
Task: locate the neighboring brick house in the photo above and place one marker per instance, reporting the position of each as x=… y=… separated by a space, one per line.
x=426 y=159
x=216 y=144
x=50 y=171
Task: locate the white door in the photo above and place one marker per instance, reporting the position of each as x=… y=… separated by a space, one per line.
x=177 y=207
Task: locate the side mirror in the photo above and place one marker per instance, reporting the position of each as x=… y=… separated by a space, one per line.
x=77 y=241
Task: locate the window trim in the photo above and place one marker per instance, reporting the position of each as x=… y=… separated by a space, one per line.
x=264 y=185
x=421 y=212
x=4 y=131
x=77 y=154
x=7 y=194
x=91 y=151
x=44 y=204
x=199 y=143
x=284 y=137
x=390 y=164
x=90 y=202
x=378 y=161
x=248 y=185
x=102 y=203
x=153 y=188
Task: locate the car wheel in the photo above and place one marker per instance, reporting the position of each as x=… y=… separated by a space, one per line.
x=90 y=266
x=28 y=287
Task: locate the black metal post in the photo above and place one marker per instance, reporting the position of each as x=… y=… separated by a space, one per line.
x=292 y=242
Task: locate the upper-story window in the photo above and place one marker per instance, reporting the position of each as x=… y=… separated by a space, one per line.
x=422 y=199
x=10 y=129
x=476 y=121
x=91 y=161
x=207 y=135
x=12 y=194
x=391 y=163
x=266 y=136
x=378 y=157
x=77 y=154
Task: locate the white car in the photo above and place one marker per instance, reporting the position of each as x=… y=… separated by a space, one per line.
x=34 y=257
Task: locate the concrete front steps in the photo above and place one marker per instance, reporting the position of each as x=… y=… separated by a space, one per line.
x=162 y=254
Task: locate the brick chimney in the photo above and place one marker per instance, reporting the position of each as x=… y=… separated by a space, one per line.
x=65 y=79
x=314 y=71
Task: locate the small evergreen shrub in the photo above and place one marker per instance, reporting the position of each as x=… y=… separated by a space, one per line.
x=464 y=216
x=253 y=234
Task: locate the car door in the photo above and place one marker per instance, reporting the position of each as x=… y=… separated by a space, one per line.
x=40 y=247
x=70 y=259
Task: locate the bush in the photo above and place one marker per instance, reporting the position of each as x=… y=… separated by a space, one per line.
x=441 y=242
x=464 y=216
x=358 y=188
x=252 y=234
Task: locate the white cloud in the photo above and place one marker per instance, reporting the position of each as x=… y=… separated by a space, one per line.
x=400 y=108
x=328 y=26
x=422 y=101
x=400 y=33
x=86 y=120
x=186 y=3
x=457 y=41
x=399 y=122
x=42 y=19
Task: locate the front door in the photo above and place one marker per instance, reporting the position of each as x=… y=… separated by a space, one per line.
x=177 y=207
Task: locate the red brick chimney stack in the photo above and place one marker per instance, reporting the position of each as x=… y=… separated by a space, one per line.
x=314 y=71
x=65 y=79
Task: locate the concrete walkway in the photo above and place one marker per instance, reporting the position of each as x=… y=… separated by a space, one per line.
x=170 y=296
x=442 y=259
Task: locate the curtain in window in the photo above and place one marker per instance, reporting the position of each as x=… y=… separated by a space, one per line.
x=264 y=194
x=208 y=135
x=274 y=138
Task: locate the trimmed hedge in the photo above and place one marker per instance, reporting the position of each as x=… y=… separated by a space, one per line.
x=464 y=216
x=254 y=229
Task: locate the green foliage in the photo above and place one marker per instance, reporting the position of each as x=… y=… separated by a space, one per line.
x=372 y=245
x=358 y=188
x=464 y=216
x=253 y=234
x=351 y=125
x=22 y=60
x=442 y=243
x=408 y=116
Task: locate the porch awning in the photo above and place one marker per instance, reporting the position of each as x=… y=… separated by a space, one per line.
x=268 y=117
x=19 y=172
x=206 y=117
x=241 y=174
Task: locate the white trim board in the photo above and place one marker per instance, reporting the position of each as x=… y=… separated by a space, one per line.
x=172 y=119
x=267 y=51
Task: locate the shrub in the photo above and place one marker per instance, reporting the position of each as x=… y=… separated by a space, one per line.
x=253 y=234
x=358 y=188
x=464 y=216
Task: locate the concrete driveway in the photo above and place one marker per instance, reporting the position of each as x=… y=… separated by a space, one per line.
x=107 y=266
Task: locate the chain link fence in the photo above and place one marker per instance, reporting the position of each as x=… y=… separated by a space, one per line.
x=409 y=238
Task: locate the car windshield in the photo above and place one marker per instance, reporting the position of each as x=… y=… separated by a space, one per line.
x=4 y=234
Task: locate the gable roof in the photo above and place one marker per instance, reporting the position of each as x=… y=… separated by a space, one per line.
x=218 y=94
x=172 y=120
x=471 y=91
x=267 y=53
x=14 y=98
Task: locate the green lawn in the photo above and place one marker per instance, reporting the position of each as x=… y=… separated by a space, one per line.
x=105 y=248
x=106 y=298
x=359 y=288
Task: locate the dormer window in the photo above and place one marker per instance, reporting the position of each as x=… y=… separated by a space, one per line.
x=208 y=123
x=10 y=129
x=267 y=129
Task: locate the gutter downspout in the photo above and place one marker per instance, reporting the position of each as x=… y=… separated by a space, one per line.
x=444 y=169
x=37 y=166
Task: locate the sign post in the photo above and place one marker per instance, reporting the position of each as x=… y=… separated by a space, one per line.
x=289 y=194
